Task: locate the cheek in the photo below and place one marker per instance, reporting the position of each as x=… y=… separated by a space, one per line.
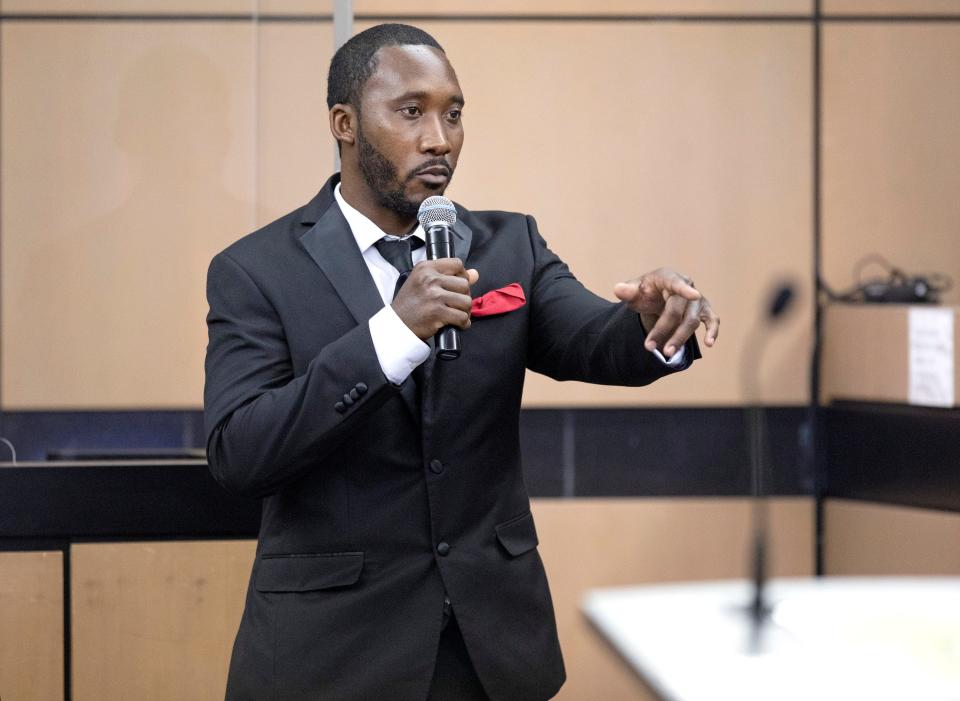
x=387 y=139
x=456 y=143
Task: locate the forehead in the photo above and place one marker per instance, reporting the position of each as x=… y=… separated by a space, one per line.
x=411 y=69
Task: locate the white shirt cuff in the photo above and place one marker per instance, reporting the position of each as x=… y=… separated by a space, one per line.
x=398 y=348
x=676 y=360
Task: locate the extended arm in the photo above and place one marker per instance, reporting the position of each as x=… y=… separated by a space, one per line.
x=576 y=335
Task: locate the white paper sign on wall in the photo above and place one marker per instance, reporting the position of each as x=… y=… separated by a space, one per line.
x=931 y=376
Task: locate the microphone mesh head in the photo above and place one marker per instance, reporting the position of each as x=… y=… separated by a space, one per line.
x=435 y=210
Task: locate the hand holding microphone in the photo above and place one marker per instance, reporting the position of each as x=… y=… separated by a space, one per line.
x=435 y=299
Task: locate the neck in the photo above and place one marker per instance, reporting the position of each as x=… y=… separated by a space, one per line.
x=355 y=191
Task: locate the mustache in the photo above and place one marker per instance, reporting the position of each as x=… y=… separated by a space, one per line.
x=432 y=163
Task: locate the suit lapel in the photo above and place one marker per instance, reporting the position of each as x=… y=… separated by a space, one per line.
x=464 y=238
x=333 y=248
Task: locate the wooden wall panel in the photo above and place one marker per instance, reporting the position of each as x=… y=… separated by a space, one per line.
x=582 y=7
x=163 y=163
x=883 y=7
x=173 y=7
x=156 y=620
x=142 y=610
x=31 y=626
x=880 y=539
x=128 y=161
x=301 y=7
x=866 y=353
x=640 y=145
x=294 y=147
x=421 y=7
x=891 y=149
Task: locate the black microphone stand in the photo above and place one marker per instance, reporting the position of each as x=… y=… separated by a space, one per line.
x=758 y=608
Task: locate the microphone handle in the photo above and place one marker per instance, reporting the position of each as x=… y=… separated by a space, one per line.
x=440 y=245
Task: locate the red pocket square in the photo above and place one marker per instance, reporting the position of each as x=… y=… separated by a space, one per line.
x=501 y=301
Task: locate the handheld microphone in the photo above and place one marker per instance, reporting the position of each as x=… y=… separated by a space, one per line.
x=437 y=215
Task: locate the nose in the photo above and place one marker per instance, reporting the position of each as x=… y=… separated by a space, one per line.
x=434 y=139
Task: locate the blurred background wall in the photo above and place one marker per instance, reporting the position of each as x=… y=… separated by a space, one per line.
x=743 y=142
x=135 y=149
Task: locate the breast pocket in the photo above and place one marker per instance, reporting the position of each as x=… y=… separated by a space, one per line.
x=308 y=572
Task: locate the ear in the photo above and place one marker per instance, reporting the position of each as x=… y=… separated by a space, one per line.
x=343 y=124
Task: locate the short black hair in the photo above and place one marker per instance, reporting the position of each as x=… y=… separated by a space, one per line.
x=355 y=61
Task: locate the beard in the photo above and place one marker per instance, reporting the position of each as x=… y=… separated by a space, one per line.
x=382 y=178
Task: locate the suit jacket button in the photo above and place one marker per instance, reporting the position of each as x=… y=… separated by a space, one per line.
x=354 y=394
x=348 y=400
x=443 y=548
x=361 y=388
x=436 y=467
x=340 y=407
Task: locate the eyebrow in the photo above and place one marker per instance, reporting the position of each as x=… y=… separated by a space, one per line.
x=421 y=94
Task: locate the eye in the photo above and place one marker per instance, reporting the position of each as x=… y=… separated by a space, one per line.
x=454 y=115
x=410 y=111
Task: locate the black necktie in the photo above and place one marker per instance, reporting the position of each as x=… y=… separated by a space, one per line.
x=399 y=254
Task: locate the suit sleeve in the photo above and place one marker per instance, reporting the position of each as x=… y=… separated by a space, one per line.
x=264 y=426
x=577 y=335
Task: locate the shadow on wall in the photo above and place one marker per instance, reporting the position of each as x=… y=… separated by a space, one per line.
x=127 y=317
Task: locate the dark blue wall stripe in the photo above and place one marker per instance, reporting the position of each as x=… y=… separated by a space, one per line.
x=616 y=452
x=37 y=435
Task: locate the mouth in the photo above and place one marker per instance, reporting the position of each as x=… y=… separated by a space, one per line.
x=434 y=175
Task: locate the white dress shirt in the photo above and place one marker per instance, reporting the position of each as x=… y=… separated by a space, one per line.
x=398 y=349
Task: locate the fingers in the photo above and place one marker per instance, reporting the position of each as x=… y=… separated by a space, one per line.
x=449 y=296
x=626 y=291
x=679 y=321
x=448 y=266
x=436 y=294
x=454 y=284
x=671 y=318
x=683 y=287
x=449 y=316
x=689 y=324
x=641 y=296
x=648 y=293
x=453 y=307
x=448 y=273
x=712 y=321
x=672 y=300
x=451 y=270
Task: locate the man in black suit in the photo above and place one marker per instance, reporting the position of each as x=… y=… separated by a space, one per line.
x=397 y=555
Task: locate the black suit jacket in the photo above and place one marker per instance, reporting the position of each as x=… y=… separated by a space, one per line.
x=345 y=597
